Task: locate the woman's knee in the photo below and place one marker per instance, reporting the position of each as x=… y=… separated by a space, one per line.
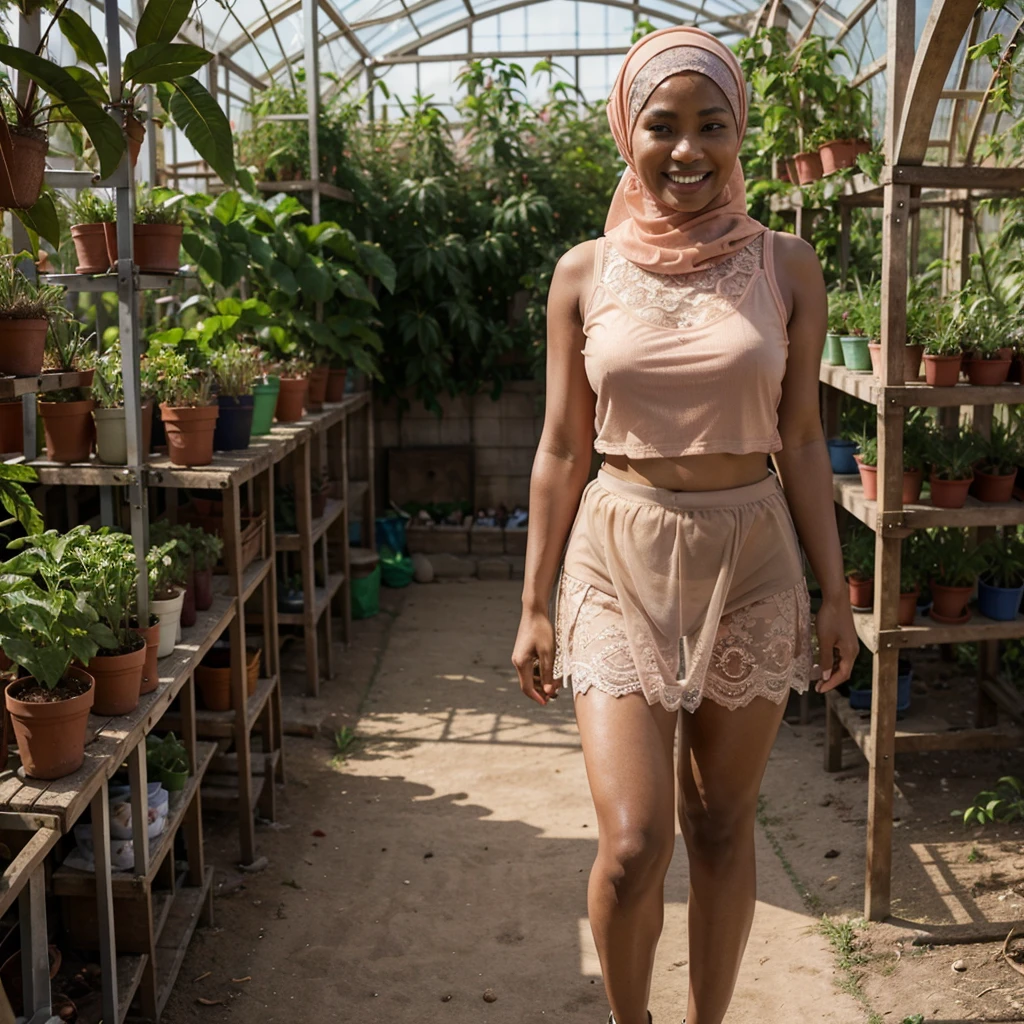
x=716 y=833
x=634 y=860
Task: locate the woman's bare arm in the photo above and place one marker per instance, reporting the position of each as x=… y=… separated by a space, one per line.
x=561 y=465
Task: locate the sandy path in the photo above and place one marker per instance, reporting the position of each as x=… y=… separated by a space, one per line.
x=458 y=839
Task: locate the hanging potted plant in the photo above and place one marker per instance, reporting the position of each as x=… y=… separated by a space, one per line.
x=236 y=369
x=165 y=564
x=26 y=312
x=1001 y=584
x=956 y=565
x=294 y=374
x=44 y=625
x=996 y=471
x=859 y=561
x=187 y=410
x=952 y=462
x=89 y=213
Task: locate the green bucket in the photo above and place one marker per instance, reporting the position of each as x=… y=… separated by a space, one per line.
x=365 y=592
x=856 y=355
x=264 y=404
x=833 y=354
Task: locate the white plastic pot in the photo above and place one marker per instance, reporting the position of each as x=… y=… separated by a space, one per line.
x=169 y=614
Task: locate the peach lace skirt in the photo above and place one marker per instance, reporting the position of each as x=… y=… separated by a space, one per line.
x=683 y=594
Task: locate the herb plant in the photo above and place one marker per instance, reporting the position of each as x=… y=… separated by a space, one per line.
x=69 y=346
x=167 y=566
x=1004 y=803
x=1004 y=558
x=236 y=369
x=859 y=553
x=20 y=299
x=1003 y=451
x=108 y=381
x=953 y=458
x=955 y=561
x=91 y=208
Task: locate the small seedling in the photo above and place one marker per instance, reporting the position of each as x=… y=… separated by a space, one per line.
x=975 y=855
x=343 y=740
x=1004 y=804
x=917 y=1018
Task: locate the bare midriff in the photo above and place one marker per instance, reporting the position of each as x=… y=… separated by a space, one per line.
x=691 y=472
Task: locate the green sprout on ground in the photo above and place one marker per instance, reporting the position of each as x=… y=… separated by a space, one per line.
x=343 y=740
x=1003 y=804
x=975 y=855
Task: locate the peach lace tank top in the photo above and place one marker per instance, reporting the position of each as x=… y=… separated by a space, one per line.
x=686 y=364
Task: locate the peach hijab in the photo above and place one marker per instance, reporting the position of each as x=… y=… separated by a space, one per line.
x=648 y=233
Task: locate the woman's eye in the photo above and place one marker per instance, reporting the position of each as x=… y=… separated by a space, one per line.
x=713 y=126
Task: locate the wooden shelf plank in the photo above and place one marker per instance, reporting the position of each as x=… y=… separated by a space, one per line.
x=865 y=386
x=254 y=575
x=926 y=631
x=129 y=974
x=177 y=934
x=222 y=723
x=293 y=541
x=323 y=598
x=221 y=790
x=15 y=387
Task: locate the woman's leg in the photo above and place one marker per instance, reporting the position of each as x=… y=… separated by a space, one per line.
x=722 y=758
x=627 y=746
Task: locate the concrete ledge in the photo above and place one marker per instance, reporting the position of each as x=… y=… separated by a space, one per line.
x=429 y=540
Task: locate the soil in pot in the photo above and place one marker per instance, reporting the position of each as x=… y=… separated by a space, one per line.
x=12 y=436
x=234 y=423
x=862 y=592
x=264 y=403
x=987 y=372
x=950 y=493
x=150 y=671
x=68 y=427
x=336 y=384
x=203 y=588
x=90 y=248
x=118 y=679
x=907 y=607
x=291 y=398
x=942 y=371
x=22 y=343
x=157 y=248
x=190 y=433
x=50 y=725
x=808 y=167
x=993 y=488
x=21 y=169
x=317 y=387
x=949 y=604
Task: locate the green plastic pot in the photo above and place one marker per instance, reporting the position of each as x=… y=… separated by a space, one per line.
x=856 y=354
x=173 y=782
x=264 y=403
x=833 y=354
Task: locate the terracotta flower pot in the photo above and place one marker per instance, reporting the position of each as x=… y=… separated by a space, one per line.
x=21 y=167
x=993 y=487
x=150 y=671
x=875 y=349
x=913 y=480
x=91 y=248
x=118 y=681
x=135 y=132
x=838 y=155
x=21 y=346
x=912 y=355
x=188 y=606
x=950 y=493
x=336 y=385
x=808 y=167
x=69 y=430
x=949 y=604
x=50 y=736
x=317 y=388
x=782 y=172
x=868 y=479
x=862 y=592
x=110 y=233
x=190 y=433
x=987 y=372
x=203 y=587
x=12 y=438
x=213 y=677
x=908 y=607
x=791 y=170
x=942 y=371
x=157 y=248
x=291 y=398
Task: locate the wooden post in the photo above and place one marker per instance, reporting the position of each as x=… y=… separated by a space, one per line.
x=105 y=902
x=35 y=957
x=304 y=518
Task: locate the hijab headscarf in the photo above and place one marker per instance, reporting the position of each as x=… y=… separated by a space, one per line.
x=646 y=231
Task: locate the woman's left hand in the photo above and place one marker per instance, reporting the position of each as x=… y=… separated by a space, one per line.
x=836 y=633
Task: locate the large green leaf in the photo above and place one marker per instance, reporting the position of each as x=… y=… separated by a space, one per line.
x=83 y=40
x=378 y=263
x=89 y=82
x=43 y=220
x=205 y=125
x=163 y=62
x=161 y=21
x=105 y=134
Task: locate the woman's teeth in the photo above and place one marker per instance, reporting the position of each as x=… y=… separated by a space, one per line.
x=688 y=179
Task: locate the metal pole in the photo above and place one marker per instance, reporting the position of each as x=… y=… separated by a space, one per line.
x=310 y=26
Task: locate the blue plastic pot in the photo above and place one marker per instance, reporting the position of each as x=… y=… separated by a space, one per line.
x=390 y=531
x=860 y=700
x=840 y=453
x=234 y=423
x=999 y=603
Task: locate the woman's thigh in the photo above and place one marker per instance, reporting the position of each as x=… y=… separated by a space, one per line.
x=627 y=747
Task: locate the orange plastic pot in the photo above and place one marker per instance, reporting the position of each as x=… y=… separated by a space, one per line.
x=213 y=677
x=875 y=351
x=949 y=604
x=118 y=681
x=336 y=385
x=907 y=607
x=950 y=493
x=838 y=155
x=21 y=346
x=90 y=248
x=69 y=430
x=150 y=671
x=190 y=433
x=12 y=438
x=158 y=248
x=987 y=372
x=50 y=737
x=868 y=479
x=862 y=592
x=21 y=167
x=318 y=387
x=913 y=480
x=912 y=361
x=291 y=398
x=808 y=167
x=135 y=131
x=993 y=487
x=942 y=371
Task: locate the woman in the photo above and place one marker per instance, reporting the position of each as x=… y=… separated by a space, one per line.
x=689 y=338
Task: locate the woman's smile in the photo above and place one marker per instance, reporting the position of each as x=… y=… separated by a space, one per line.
x=687 y=184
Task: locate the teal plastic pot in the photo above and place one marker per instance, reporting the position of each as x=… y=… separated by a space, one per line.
x=264 y=404
x=856 y=355
x=833 y=354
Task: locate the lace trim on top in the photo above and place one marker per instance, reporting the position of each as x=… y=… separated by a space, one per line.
x=680 y=301
x=761 y=650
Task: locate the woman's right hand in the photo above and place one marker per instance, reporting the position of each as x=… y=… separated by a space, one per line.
x=534 y=656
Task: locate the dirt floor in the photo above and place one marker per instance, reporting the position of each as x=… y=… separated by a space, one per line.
x=441 y=860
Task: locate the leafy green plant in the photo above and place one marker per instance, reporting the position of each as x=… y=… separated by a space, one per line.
x=166 y=754
x=1004 y=803
x=953 y=458
x=859 y=553
x=69 y=346
x=108 y=381
x=911 y=568
x=918 y=434
x=109 y=570
x=236 y=369
x=167 y=568
x=16 y=500
x=955 y=561
x=867 y=449
x=197 y=546
x=20 y=299
x=1004 y=557
x=841 y=306
x=159 y=206
x=174 y=381
x=90 y=208
x=1003 y=450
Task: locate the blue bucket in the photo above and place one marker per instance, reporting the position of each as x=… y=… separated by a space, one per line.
x=390 y=531
x=999 y=603
x=860 y=700
x=840 y=454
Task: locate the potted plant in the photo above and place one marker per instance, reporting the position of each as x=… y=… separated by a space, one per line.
x=841 y=454
x=859 y=561
x=213 y=677
x=26 y=311
x=983 y=324
x=1001 y=584
x=956 y=567
x=917 y=440
x=206 y=551
x=840 y=309
x=318 y=376
x=845 y=130
x=188 y=413
x=943 y=358
x=864 y=323
x=45 y=624
x=996 y=471
x=236 y=368
x=952 y=462
x=67 y=424
x=167 y=759
x=165 y=564
x=294 y=375
x=861 y=684
x=89 y=213
x=867 y=465
x=336 y=383
x=264 y=396
x=156 y=233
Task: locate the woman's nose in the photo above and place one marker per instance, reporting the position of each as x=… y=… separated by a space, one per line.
x=687 y=150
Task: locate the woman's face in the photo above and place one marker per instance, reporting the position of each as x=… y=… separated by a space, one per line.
x=686 y=142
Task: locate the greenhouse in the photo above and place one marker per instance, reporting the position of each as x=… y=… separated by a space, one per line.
x=326 y=458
